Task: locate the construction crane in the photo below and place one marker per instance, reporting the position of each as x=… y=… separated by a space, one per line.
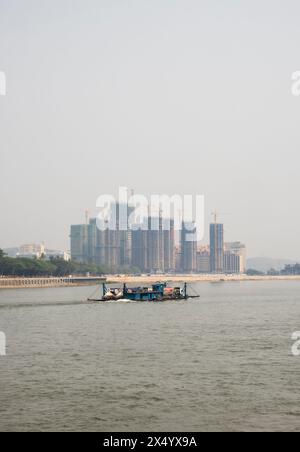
x=216 y=214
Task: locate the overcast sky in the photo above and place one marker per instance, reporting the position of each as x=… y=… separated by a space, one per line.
x=163 y=96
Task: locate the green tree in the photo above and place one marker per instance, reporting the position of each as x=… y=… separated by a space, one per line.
x=54 y=267
x=252 y=272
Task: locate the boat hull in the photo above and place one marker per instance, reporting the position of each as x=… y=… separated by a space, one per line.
x=154 y=300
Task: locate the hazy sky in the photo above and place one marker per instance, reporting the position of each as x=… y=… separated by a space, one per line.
x=163 y=96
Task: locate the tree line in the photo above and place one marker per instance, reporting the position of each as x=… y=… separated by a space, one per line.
x=289 y=270
x=55 y=266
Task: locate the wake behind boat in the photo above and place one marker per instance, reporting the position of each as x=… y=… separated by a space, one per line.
x=155 y=293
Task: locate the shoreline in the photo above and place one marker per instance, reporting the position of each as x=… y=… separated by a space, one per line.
x=111 y=279
x=47 y=283
x=51 y=282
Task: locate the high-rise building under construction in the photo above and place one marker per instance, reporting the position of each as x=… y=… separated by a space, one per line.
x=188 y=248
x=216 y=248
x=153 y=249
x=102 y=246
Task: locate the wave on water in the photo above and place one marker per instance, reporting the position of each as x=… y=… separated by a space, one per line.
x=13 y=305
x=122 y=300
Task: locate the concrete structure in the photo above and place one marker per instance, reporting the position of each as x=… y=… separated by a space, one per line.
x=169 y=246
x=231 y=263
x=178 y=260
x=239 y=249
x=216 y=248
x=203 y=260
x=31 y=251
x=40 y=282
x=155 y=246
x=153 y=250
x=102 y=246
x=140 y=249
x=188 y=248
x=80 y=242
x=49 y=254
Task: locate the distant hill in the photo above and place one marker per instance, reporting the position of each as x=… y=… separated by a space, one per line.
x=11 y=252
x=264 y=264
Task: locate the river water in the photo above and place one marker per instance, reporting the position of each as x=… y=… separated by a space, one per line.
x=219 y=363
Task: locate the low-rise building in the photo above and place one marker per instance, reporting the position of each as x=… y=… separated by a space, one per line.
x=231 y=263
x=239 y=249
x=203 y=260
x=33 y=251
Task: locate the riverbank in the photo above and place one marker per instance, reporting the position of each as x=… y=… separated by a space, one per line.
x=39 y=282
x=31 y=283
x=140 y=280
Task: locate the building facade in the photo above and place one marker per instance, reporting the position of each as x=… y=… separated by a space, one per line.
x=189 y=248
x=102 y=246
x=169 y=247
x=153 y=250
x=231 y=263
x=203 y=260
x=140 y=249
x=216 y=248
x=239 y=249
x=80 y=242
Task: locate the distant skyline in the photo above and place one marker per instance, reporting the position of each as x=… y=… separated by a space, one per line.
x=167 y=97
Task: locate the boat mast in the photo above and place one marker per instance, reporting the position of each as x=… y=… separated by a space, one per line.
x=185 y=291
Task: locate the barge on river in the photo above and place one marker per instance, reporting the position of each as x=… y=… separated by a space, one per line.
x=156 y=292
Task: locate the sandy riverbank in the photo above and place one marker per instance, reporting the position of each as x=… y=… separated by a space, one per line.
x=140 y=280
x=31 y=283
x=43 y=282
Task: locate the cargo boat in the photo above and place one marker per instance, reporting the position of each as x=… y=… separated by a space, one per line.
x=156 y=292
